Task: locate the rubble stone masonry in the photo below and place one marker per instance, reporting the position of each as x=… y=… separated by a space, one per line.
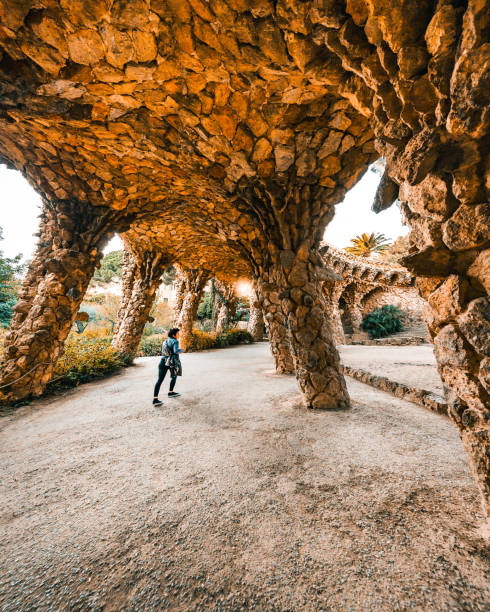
x=224 y=133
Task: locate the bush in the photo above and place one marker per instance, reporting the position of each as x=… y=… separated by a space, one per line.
x=97 y=331
x=151 y=346
x=85 y=359
x=95 y=298
x=152 y=329
x=206 y=325
x=383 y=321
x=232 y=337
x=202 y=341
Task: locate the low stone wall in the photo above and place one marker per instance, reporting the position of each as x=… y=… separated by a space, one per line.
x=427 y=399
x=406 y=298
x=392 y=341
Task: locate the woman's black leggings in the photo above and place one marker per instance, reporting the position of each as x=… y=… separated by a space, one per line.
x=162 y=371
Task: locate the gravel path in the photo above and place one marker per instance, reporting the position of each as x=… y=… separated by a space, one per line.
x=235 y=498
x=414 y=366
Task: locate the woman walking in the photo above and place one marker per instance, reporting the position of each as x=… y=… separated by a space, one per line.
x=170 y=361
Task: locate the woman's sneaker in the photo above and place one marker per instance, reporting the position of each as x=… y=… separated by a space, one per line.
x=157 y=402
x=173 y=394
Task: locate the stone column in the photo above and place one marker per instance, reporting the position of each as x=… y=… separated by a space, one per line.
x=332 y=293
x=227 y=304
x=353 y=308
x=449 y=238
x=179 y=292
x=72 y=236
x=256 y=318
x=292 y=292
x=276 y=324
x=142 y=271
x=193 y=286
x=222 y=317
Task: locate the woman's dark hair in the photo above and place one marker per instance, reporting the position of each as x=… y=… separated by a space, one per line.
x=172 y=332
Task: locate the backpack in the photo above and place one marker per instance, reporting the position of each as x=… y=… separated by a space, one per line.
x=172 y=359
x=166 y=350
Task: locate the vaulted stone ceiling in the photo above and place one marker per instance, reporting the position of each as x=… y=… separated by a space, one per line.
x=144 y=105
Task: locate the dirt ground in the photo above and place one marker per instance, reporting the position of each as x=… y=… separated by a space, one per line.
x=414 y=366
x=233 y=497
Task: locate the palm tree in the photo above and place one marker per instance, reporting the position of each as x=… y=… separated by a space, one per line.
x=367 y=244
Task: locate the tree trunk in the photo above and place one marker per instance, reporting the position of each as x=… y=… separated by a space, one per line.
x=292 y=291
x=141 y=278
x=72 y=236
x=193 y=286
x=256 y=319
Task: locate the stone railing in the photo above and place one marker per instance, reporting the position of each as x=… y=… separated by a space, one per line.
x=357 y=269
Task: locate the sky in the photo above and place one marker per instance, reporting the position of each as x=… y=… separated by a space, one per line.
x=20 y=207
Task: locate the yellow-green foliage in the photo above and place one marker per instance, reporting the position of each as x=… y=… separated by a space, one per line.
x=93 y=331
x=201 y=341
x=151 y=346
x=84 y=359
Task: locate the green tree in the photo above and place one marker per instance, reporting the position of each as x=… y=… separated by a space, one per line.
x=205 y=309
x=110 y=267
x=367 y=244
x=10 y=271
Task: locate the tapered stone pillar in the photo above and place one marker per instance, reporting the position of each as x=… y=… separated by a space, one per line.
x=352 y=308
x=332 y=293
x=222 y=317
x=72 y=236
x=292 y=292
x=226 y=307
x=142 y=272
x=179 y=284
x=451 y=257
x=276 y=325
x=256 y=318
x=194 y=282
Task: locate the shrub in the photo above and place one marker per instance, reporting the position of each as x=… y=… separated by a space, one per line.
x=383 y=321
x=242 y=310
x=152 y=329
x=95 y=298
x=85 y=359
x=201 y=341
x=206 y=325
x=97 y=331
x=151 y=346
x=238 y=336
